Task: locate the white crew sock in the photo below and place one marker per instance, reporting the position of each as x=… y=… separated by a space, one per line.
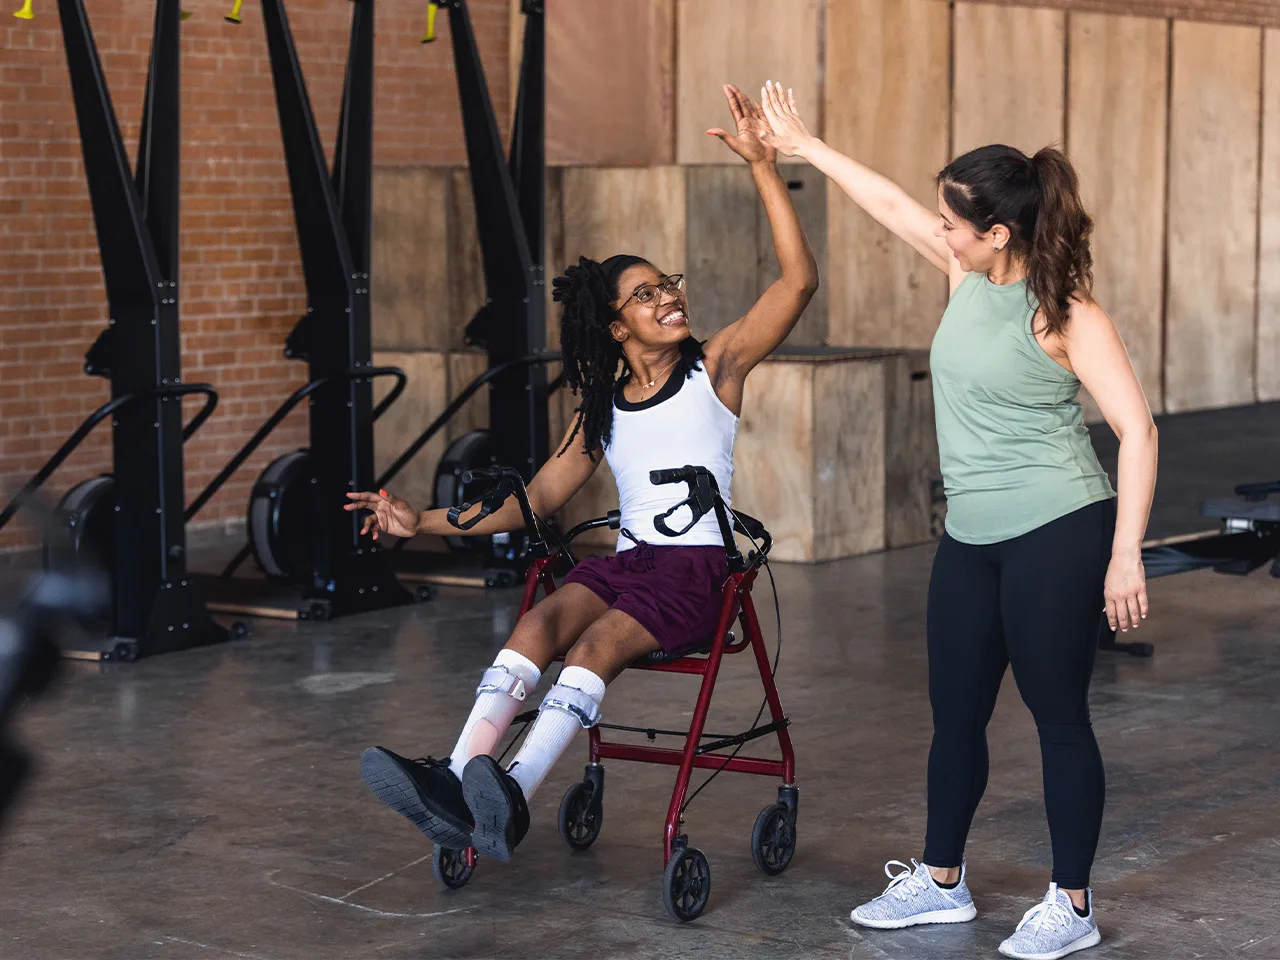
x=493 y=712
x=553 y=731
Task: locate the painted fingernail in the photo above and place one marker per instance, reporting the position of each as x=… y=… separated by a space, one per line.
x=384 y=493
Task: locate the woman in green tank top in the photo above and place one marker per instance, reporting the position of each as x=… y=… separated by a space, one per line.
x=1037 y=543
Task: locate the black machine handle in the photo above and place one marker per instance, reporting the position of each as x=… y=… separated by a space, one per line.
x=283 y=410
x=95 y=418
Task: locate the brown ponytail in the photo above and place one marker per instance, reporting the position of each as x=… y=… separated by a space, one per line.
x=1038 y=200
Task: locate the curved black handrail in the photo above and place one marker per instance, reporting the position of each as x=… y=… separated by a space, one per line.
x=458 y=403
x=95 y=418
x=283 y=411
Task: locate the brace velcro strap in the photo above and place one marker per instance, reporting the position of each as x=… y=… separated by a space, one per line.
x=572 y=700
x=502 y=680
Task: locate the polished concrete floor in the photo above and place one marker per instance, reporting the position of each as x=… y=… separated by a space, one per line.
x=207 y=804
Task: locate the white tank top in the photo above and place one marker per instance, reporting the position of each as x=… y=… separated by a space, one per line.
x=684 y=423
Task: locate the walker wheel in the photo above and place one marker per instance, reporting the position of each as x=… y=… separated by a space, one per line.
x=580 y=815
x=451 y=868
x=686 y=885
x=773 y=841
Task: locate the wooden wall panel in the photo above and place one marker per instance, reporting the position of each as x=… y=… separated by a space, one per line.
x=409 y=294
x=744 y=42
x=1117 y=139
x=721 y=263
x=1213 y=216
x=599 y=496
x=466 y=265
x=730 y=259
x=610 y=82
x=424 y=398
x=1268 y=363
x=465 y=366
x=888 y=104
x=808 y=189
x=1009 y=77
x=610 y=210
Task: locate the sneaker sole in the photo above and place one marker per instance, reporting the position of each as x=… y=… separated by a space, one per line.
x=390 y=784
x=1091 y=939
x=956 y=915
x=487 y=799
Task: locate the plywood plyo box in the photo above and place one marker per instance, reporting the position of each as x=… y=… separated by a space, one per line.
x=835 y=452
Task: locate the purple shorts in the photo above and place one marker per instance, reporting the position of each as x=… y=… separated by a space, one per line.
x=673 y=592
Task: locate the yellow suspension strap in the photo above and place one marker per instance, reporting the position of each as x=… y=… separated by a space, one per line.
x=430 y=35
x=27 y=13
x=234 y=15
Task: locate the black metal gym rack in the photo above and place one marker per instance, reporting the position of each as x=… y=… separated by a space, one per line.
x=131 y=521
x=510 y=198
x=298 y=530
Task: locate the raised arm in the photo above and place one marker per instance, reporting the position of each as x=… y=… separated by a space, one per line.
x=551 y=488
x=736 y=349
x=886 y=202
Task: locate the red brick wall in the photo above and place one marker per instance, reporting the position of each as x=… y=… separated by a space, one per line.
x=241 y=281
x=1264 y=13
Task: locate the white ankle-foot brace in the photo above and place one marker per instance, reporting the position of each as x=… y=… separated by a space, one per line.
x=572 y=704
x=503 y=690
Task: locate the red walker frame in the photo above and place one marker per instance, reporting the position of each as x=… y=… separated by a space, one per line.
x=735 y=598
x=687 y=873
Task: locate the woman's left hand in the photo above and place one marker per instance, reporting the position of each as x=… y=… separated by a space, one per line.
x=1126 y=591
x=752 y=125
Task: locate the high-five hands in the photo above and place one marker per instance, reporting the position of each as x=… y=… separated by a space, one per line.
x=752 y=126
x=786 y=132
x=388 y=514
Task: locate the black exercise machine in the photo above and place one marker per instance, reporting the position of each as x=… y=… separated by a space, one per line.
x=298 y=531
x=131 y=520
x=1248 y=538
x=509 y=196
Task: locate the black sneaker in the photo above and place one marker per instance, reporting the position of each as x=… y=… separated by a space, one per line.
x=425 y=791
x=498 y=805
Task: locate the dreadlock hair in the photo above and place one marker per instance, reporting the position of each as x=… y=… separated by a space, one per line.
x=593 y=362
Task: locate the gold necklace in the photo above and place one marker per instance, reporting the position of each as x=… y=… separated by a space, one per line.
x=649 y=385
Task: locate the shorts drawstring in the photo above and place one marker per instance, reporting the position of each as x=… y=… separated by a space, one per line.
x=642 y=554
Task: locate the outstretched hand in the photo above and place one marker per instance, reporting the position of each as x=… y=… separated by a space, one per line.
x=387 y=514
x=752 y=126
x=785 y=132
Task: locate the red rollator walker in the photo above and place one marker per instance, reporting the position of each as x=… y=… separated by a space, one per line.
x=687 y=879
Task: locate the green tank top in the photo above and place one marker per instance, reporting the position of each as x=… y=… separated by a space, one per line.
x=1012 y=443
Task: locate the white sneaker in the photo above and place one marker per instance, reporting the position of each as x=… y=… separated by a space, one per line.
x=913 y=897
x=1052 y=929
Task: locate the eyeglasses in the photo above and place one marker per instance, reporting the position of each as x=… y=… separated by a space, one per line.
x=646 y=293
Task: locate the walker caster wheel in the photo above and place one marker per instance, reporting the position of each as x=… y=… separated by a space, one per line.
x=773 y=841
x=451 y=868
x=581 y=815
x=686 y=885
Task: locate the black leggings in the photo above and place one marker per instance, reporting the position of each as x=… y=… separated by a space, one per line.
x=1034 y=602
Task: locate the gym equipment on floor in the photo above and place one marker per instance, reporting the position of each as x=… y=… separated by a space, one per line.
x=687 y=878
x=1248 y=537
x=131 y=520
x=510 y=197
x=298 y=531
